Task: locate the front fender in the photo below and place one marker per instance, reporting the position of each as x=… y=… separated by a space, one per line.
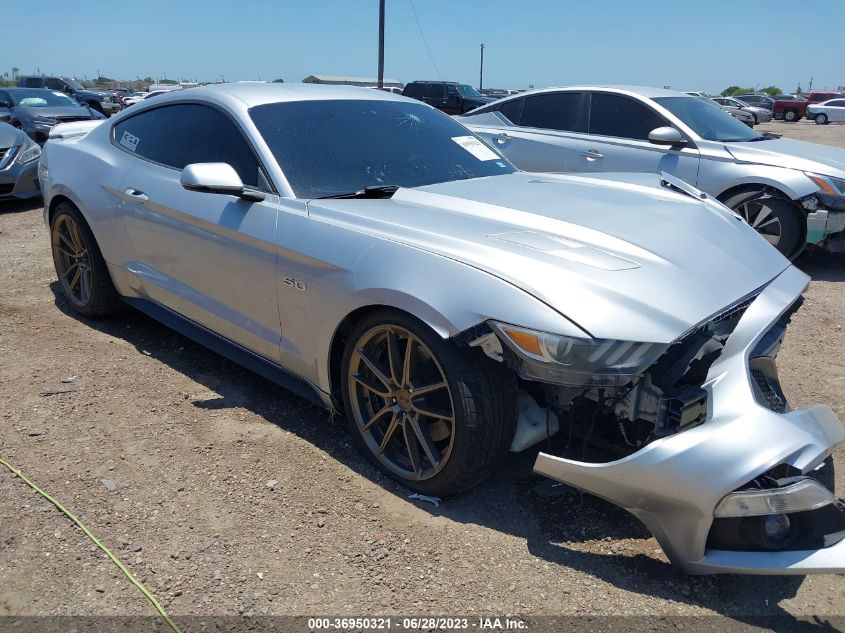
x=791 y=182
x=447 y=295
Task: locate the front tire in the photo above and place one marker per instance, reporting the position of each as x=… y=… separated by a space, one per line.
x=80 y=267
x=435 y=417
x=821 y=119
x=776 y=219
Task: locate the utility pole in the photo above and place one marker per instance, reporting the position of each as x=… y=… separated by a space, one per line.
x=481 y=71
x=381 y=45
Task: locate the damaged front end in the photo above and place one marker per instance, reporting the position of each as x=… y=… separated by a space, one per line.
x=696 y=438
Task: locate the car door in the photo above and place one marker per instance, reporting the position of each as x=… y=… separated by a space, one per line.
x=617 y=140
x=836 y=110
x=546 y=131
x=208 y=257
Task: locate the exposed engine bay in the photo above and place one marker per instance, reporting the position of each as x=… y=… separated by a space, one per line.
x=612 y=422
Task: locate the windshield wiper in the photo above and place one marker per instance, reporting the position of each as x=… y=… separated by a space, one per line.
x=374 y=191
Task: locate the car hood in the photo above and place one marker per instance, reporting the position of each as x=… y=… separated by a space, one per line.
x=54 y=111
x=619 y=256
x=791 y=154
x=10 y=136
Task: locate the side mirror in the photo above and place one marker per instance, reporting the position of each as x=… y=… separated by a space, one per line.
x=217 y=178
x=667 y=136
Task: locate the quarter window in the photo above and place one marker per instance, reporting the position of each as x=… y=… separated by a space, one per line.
x=623 y=117
x=552 y=111
x=178 y=135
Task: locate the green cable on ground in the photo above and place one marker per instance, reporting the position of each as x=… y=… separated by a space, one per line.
x=147 y=594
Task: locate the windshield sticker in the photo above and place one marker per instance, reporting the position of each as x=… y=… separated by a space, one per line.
x=476 y=147
x=129 y=141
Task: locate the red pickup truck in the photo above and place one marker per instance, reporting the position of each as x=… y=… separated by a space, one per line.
x=794 y=109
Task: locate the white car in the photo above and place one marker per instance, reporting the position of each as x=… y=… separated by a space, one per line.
x=142 y=96
x=824 y=113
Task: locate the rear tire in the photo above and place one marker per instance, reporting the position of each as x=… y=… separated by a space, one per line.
x=790 y=116
x=80 y=267
x=821 y=119
x=776 y=219
x=473 y=397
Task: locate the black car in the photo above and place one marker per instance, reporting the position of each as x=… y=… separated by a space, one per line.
x=449 y=96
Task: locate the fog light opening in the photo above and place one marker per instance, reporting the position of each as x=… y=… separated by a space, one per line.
x=776 y=530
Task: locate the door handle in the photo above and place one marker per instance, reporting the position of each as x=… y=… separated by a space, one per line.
x=138 y=196
x=592 y=154
x=502 y=138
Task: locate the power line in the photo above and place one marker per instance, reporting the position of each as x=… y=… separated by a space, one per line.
x=422 y=35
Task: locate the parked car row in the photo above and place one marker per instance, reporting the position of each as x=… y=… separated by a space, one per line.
x=791 y=192
x=375 y=256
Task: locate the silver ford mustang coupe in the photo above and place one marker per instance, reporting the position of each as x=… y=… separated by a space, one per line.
x=373 y=255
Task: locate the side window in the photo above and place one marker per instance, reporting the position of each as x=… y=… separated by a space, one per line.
x=5 y=98
x=179 y=135
x=553 y=111
x=451 y=91
x=434 y=91
x=623 y=117
x=33 y=82
x=414 y=91
x=839 y=103
x=55 y=84
x=510 y=110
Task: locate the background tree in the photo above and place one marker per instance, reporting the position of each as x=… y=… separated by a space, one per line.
x=772 y=91
x=278 y=81
x=730 y=91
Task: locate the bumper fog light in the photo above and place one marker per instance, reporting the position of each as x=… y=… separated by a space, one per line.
x=776 y=529
x=806 y=494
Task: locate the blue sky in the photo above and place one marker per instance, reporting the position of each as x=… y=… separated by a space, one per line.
x=687 y=44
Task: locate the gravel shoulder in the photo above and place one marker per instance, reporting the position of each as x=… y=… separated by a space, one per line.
x=165 y=451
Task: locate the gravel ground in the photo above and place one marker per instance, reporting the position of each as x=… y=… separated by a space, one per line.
x=226 y=495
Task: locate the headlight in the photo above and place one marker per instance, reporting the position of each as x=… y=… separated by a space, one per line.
x=831 y=191
x=45 y=120
x=30 y=151
x=828 y=184
x=575 y=361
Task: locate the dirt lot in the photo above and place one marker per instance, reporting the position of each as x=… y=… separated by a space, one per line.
x=165 y=451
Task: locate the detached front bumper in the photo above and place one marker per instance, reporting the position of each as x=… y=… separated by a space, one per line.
x=674 y=484
x=823 y=224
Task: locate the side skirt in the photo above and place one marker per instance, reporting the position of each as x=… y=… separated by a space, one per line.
x=230 y=350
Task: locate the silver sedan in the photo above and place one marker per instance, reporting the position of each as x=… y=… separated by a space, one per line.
x=791 y=191
x=760 y=114
x=370 y=253
x=832 y=110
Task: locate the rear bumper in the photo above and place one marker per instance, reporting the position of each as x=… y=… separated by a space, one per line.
x=674 y=483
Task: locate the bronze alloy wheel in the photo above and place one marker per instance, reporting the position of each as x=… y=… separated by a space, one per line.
x=401 y=402
x=73 y=262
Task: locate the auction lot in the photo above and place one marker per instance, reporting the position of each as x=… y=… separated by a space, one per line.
x=226 y=495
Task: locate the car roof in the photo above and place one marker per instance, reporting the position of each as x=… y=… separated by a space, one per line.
x=641 y=91
x=259 y=94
